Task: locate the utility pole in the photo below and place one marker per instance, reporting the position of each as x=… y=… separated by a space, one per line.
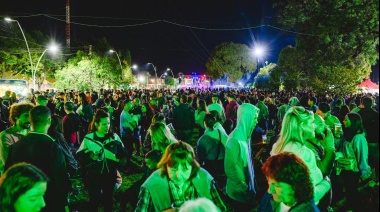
x=68 y=24
x=90 y=54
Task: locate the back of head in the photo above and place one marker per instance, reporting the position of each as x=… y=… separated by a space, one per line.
x=199 y=205
x=69 y=106
x=17 y=109
x=367 y=102
x=17 y=180
x=293 y=101
x=288 y=168
x=184 y=99
x=209 y=120
x=324 y=107
x=40 y=116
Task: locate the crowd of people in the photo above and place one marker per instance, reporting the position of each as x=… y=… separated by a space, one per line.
x=321 y=149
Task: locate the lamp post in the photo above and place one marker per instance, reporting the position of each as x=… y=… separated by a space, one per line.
x=168 y=69
x=51 y=48
x=258 y=52
x=155 y=71
x=121 y=67
x=26 y=42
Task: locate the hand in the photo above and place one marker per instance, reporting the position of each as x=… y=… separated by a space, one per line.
x=328 y=140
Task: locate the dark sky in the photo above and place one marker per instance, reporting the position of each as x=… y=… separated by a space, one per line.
x=163 y=44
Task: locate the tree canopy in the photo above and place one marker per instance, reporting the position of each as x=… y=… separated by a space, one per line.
x=336 y=43
x=231 y=60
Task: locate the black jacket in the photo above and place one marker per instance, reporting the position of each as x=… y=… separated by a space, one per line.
x=41 y=151
x=183 y=117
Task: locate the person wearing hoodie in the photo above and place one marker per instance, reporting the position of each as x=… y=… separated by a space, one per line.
x=184 y=120
x=238 y=164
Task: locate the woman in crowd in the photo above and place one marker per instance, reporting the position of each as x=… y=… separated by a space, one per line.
x=101 y=152
x=116 y=114
x=147 y=144
x=55 y=131
x=297 y=127
x=355 y=147
x=210 y=150
x=22 y=188
x=161 y=136
x=200 y=113
x=145 y=120
x=289 y=185
x=85 y=112
x=179 y=178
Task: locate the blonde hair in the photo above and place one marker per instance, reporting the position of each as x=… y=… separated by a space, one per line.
x=291 y=127
x=161 y=136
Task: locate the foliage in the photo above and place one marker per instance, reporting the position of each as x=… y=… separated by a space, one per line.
x=231 y=60
x=85 y=71
x=336 y=45
x=169 y=80
x=262 y=78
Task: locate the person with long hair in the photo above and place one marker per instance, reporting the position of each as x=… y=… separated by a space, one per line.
x=100 y=153
x=85 y=112
x=297 y=127
x=355 y=146
x=161 y=136
x=200 y=113
x=178 y=178
x=289 y=185
x=146 y=120
x=116 y=114
x=22 y=188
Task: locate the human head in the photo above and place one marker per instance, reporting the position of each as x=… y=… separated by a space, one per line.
x=367 y=102
x=202 y=105
x=161 y=136
x=179 y=155
x=146 y=109
x=323 y=110
x=199 y=205
x=136 y=102
x=297 y=126
x=19 y=115
x=41 y=100
x=69 y=106
x=312 y=101
x=22 y=187
x=100 y=122
x=293 y=101
x=288 y=178
x=128 y=104
x=209 y=121
x=40 y=118
x=216 y=115
x=353 y=125
x=83 y=98
x=246 y=119
x=261 y=98
x=152 y=158
x=158 y=117
x=183 y=99
x=107 y=101
x=215 y=99
x=56 y=124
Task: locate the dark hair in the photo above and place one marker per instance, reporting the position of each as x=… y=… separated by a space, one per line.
x=56 y=125
x=100 y=113
x=288 y=168
x=18 y=109
x=324 y=107
x=216 y=116
x=17 y=180
x=107 y=100
x=367 y=102
x=158 y=117
x=39 y=115
x=83 y=99
x=154 y=155
x=202 y=105
x=209 y=121
x=69 y=106
x=261 y=98
x=313 y=99
x=355 y=128
x=184 y=98
x=149 y=112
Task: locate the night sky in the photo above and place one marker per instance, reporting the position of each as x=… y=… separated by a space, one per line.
x=153 y=39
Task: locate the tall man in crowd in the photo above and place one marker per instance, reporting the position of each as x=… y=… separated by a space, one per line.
x=20 y=120
x=40 y=150
x=128 y=123
x=263 y=114
x=217 y=106
x=184 y=120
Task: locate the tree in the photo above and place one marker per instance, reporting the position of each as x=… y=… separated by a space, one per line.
x=169 y=80
x=337 y=40
x=262 y=78
x=230 y=60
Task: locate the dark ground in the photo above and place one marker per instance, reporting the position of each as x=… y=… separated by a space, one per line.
x=79 y=198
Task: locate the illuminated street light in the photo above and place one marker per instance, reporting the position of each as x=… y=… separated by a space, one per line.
x=168 y=69
x=26 y=42
x=155 y=71
x=258 y=52
x=52 y=48
x=121 y=67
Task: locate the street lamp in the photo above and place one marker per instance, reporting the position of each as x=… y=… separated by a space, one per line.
x=52 y=48
x=155 y=71
x=168 y=69
x=258 y=52
x=26 y=42
x=121 y=67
